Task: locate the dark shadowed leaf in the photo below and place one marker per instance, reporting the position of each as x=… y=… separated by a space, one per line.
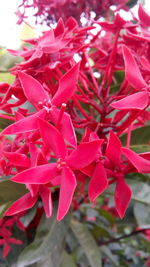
x=4 y=123
x=10 y=191
x=87 y=243
x=67 y=260
x=139 y=139
x=48 y=244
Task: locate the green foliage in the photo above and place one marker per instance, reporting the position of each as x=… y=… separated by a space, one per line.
x=48 y=245
x=87 y=243
x=139 y=139
x=10 y=191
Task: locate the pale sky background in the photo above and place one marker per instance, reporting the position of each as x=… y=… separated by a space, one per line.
x=10 y=32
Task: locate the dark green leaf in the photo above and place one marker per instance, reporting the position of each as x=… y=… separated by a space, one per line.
x=139 y=139
x=4 y=123
x=67 y=260
x=10 y=191
x=87 y=243
x=48 y=244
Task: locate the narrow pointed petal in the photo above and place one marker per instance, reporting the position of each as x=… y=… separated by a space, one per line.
x=113 y=151
x=45 y=194
x=143 y=16
x=17 y=159
x=123 y=195
x=33 y=90
x=24 y=203
x=33 y=188
x=36 y=175
x=98 y=182
x=59 y=28
x=67 y=86
x=53 y=139
x=65 y=126
x=68 y=185
x=33 y=154
x=133 y=74
x=27 y=124
x=135 y=101
x=85 y=154
x=141 y=164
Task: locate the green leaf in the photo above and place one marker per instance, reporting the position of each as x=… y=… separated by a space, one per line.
x=4 y=207
x=4 y=123
x=67 y=260
x=10 y=191
x=113 y=258
x=141 y=196
x=48 y=244
x=139 y=139
x=87 y=243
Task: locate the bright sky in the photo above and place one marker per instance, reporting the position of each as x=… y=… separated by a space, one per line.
x=10 y=32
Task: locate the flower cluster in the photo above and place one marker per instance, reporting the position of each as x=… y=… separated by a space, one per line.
x=6 y=227
x=50 y=11
x=68 y=116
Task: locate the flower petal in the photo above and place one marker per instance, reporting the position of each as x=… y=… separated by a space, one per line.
x=133 y=74
x=113 y=151
x=143 y=16
x=33 y=90
x=24 y=203
x=27 y=124
x=98 y=182
x=65 y=126
x=53 y=139
x=67 y=86
x=36 y=175
x=67 y=188
x=45 y=194
x=135 y=101
x=141 y=164
x=123 y=195
x=17 y=159
x=85 y=154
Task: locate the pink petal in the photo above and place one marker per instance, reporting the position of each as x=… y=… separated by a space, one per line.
x=33 y=154
x=68 y=185
x=113 y=151
x=55 y=46
x=85 y=154
x=67 y=86
x=141 y=164
x=53 y=139
x=36 y=175
x=135 y=101
x=133 y=74
x=143 y=16
x=45 y=194
x=71 y=23
x=123 y=195
x=27 y=124
x=59 y=28
x=145 y=63
x=33 y=90
x=65 y=126
x=33 y=188
x=24 y=203
x=17 y=159
x=98 y=182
